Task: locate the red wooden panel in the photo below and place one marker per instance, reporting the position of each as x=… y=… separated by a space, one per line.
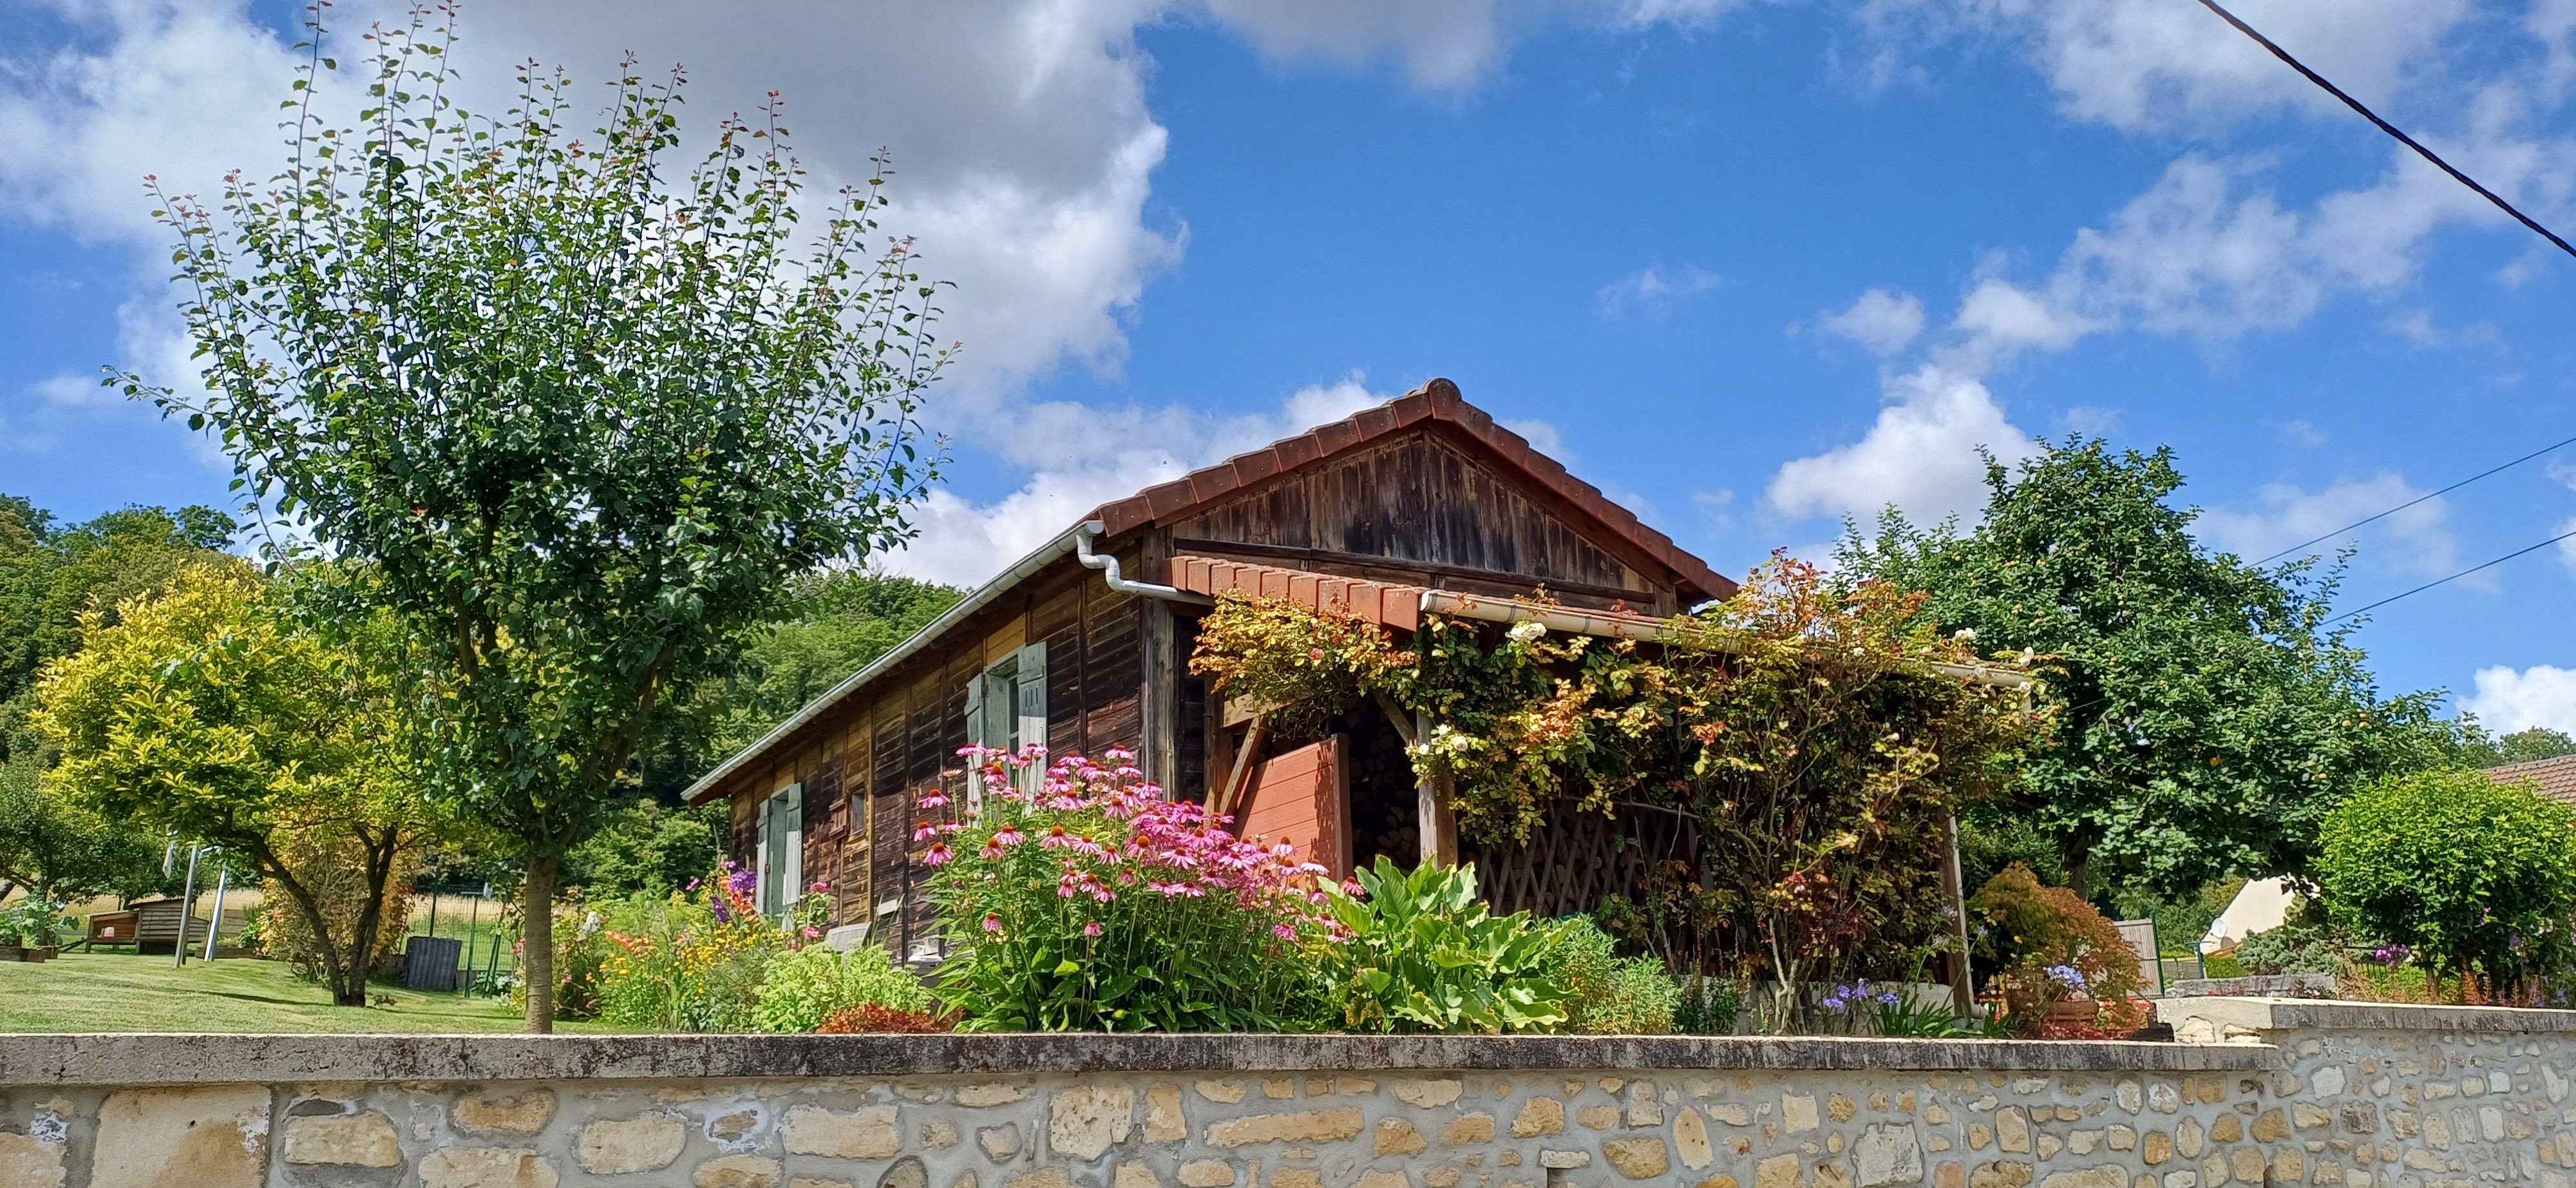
x=1304 y=798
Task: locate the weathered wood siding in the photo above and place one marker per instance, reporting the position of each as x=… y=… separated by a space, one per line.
x=1416 y=498
x=867 y=762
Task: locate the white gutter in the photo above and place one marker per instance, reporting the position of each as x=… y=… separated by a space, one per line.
x=1577 y=622
x=1108 y=567
x=982 y=597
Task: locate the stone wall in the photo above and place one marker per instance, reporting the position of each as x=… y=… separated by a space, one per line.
x=2408 y=1098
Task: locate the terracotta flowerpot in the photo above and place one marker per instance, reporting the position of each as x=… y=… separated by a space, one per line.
x=2073 y=1010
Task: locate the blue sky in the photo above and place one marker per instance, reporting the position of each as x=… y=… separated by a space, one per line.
x=1750 y=267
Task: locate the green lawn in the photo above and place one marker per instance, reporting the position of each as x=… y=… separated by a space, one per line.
x=119 y=992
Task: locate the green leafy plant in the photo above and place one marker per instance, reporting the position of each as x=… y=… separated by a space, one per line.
x=1912 y=1016
x=1613 y=995
x=1420 y=952
x=2049 y=945
x=573 y=411
x=2473 y=877
x=804 y=988
x=1709 y=1005
x=33 y=921
x=2291 y=950
x=1095 y=904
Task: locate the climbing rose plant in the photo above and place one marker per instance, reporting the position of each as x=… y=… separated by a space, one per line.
x=1094 y=904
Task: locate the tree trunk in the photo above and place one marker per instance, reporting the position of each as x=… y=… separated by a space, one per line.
x=537 y=937
x=2078 y=860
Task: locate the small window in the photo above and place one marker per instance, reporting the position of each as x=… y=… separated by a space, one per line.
x=1006 y=707
x=780 y=861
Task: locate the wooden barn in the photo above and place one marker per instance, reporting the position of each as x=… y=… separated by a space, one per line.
x=1421 y=504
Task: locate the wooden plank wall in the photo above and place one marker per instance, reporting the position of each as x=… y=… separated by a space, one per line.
x=867 y=763
x=1415 y=498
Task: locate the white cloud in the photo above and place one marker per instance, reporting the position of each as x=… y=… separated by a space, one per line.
x=2303 y=433
x=2508 y=701
x=1881 y=321
x=2090 y=421
x=1543 y=436
x=1921 y=455
x=2418 y=540
x=2145 y=67
x=1653 y=290
x=1441 y=44
x=1081 y=457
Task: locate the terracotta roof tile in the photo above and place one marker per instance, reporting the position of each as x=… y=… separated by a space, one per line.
x=1436 y=401
x=2555 y=777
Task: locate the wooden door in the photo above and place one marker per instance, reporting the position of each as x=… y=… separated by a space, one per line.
x=1303 y=798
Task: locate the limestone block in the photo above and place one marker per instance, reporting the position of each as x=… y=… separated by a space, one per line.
x=2188 y=1137
x=2490 y=1123
x=1779 y=1171
x=2130 y=1096
x=1841 y=1108
x=1979 y=1135
x=868 y=1132
x=214 y=1137
x=2123 y=1138
x=1538 y=1116
x=30 y=1162
x=2289 y=1166
x=1718 y=1182
x=1384 y=1179
x=2158 y=1148
x=727 y=1127
x=524 y=1111
x=1086 y=1120
x=2327 y=1081
x=1836 y=1174
x=1224 y=1092
x=1136 y=1175
x=1798 y=1112
x=1207 y=1173
x=360 y=1140
x=1000 y=1143
x=2108 y=1175
x=486 y=1167
x=1638 y=1158
x=646 y=1142
x=2228 y=1130
x=1281 y=1088
x=2308 y=1116
x=737 y=1171
x=1644 y=1107
x=1950 y=1175
x=2213 y=1170
x=1163 y=1120
x=2012 y=1130
x=1395 y=1136
x=981 y=1096
x=2270 y=1126
x=1597 y=1117
x=1427 y=1094
x=1731 y=1113
x=1887 y=1155
x=1564 y=1160
x=1052 y=1177
x=2247 y=1163
x=1477 y=1127
x=1442 y=1177
x=1690 y=1140
x=2002 y=1173
x=815 y=1182
x=1296 y=1177
x=2163 y=1098
x=1321 y=1126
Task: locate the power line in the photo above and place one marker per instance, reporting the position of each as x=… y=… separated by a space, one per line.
x=2389 y=128
x=2418 y=499
x=2454 y=577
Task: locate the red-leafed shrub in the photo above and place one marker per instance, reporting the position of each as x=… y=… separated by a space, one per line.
x=869 y=1017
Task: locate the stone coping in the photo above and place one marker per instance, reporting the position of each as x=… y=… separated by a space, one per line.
x=2308 y=1014
x=184 y=1059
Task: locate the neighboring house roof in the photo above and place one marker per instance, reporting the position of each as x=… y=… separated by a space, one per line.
x=1437 y=401
x=2555 y=777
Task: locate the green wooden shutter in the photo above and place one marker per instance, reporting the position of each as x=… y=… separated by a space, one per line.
x=1030 y=695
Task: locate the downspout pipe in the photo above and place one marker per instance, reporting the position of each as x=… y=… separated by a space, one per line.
x=1085 y=532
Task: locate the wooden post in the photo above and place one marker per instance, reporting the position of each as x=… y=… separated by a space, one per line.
x=1437 y=823
x=1962 y=990
x=1161 y=701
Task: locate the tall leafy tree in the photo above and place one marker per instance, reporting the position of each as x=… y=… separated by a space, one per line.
x=2210 y=715
x=210 y=712
x=579 y=409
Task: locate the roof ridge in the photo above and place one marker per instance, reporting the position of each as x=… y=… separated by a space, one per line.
x=1437 y=400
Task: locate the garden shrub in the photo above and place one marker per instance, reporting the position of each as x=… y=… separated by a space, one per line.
x=806 y=987
x=1094 y=904
x=698 y=958
x=1613 y=995
x=2473 y=877
x=869 y=1017
x=1420 y=953
x=2290 y=950
x=1709 y=1005
x=334 y=869
x=2049 y=944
